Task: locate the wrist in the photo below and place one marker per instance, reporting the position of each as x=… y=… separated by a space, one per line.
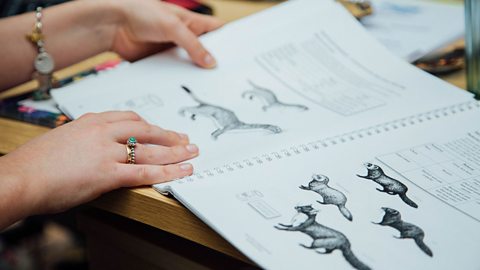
x=116 y=18
x=91 y=22
x=108 y=16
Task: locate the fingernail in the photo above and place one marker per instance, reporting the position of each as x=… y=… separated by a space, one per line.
x=186 y=167
x=183 y=136
x=192 y=148
x=209 y=61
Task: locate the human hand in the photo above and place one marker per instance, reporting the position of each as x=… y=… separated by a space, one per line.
x=79 y=161
x=77 y=30
x=148 y=24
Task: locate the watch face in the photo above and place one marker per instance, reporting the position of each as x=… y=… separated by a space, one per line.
x=44 y=63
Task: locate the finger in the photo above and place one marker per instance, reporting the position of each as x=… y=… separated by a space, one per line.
x=110 y=116
x=130 y=175
x=159 y=155
x=186 y=39
x=115 y=116
x=200 y=24
x=197 y=28
x=146 y=133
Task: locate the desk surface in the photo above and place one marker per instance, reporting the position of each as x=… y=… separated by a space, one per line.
x=144 y=204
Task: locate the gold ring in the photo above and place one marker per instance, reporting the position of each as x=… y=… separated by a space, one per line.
x=130 y=154
x=131 y=143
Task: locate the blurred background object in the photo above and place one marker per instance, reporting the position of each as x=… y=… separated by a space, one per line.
x=412 y=29
x=14 y=7
x=50 y=242
x=443 y=62
x=472 y=45
x=358 y=8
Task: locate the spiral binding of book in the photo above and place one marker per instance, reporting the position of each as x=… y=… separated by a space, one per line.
x=332 y=141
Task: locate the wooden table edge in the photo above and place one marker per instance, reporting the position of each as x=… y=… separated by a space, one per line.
x=149 y=207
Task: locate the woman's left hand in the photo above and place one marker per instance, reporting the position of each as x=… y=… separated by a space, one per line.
x=79 y=161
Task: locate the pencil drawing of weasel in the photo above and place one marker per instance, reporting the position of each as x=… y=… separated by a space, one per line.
x=319 y=184
x=407 y=230
x=269 y=98
x=224 y=118
x=324 y=238
x=390 y=186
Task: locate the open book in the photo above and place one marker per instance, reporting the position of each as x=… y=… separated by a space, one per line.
x=304 y=118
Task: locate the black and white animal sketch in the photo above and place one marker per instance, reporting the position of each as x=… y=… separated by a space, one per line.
x=269 y=98
x=319 y=184
x=224 y=118
x=390 y=186
x=325 y=239
x=407 y=230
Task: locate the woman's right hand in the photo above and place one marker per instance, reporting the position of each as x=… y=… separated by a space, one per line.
x=79 y=161
x=77 y=30
x=146 y=25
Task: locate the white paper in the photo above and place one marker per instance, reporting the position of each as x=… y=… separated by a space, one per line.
x=316 y=55
x=411 y=28
x=448 y=170
x=43 y=105
x=245 y=205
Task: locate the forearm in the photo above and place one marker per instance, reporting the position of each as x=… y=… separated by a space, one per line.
x=73 y=31
x=13 y=201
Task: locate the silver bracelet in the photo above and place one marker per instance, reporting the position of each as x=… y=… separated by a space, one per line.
x=43 y=63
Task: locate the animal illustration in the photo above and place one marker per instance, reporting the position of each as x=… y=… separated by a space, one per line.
x=319 y=184
x=407 y=230
x=324 y=238
x=224 y=118
x=390 y=186
x=269 y=98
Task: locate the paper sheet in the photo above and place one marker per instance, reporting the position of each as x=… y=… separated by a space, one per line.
x=449 y=170
x=412 y=28
x=248 y=206
x=315 y=73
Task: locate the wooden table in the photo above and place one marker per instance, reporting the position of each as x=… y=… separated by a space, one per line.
x=143 y=210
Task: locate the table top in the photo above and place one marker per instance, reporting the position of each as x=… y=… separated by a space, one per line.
x=144 y=204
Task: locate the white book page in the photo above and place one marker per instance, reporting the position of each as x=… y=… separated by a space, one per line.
x=411 y=28
x=248 y=207
x=449 y=170
x=304 y=69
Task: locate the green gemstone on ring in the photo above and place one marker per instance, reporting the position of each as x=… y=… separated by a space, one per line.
x=131 y=141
